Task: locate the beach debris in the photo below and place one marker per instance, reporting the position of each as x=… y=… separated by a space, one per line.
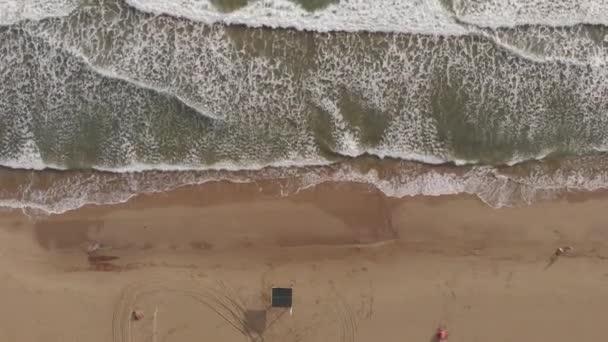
x=442 y=334
x=137 y=315
x=563 y=250
x=96 y=246
x=93 y=247
x=558 y=252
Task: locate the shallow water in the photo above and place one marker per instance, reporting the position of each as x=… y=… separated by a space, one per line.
x=145 y=85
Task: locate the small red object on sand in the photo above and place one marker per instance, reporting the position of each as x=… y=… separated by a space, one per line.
x=442 y=335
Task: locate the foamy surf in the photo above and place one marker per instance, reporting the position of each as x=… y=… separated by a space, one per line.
x=405 y=16
x=43 y=193
x=510 y=13
x=426 y=16
x=429 y=104
x=13 y=11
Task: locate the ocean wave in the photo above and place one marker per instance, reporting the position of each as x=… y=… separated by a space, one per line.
x=444 y=17
x=577 y=45
x=112 y=74
x=511 y=13
x=13 y=11
x=520 y=26
x=430 y=99
x=43 y=193
x=427 y=16
x=34 y=162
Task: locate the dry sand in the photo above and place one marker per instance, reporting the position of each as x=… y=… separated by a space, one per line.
x=200 y=262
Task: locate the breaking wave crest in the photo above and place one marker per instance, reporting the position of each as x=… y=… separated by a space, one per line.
x=407 y=16
x=437 y=93
x=41 y=193
x=13 y=11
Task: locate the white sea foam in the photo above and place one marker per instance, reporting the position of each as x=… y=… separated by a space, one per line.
x=497 y=188
x=219 y=166
x=112 y=74
x=26 y=154
x=509 y=13
x=413 y=156
x=421 y=16
x=253 y=91
x=12 y=11
x=408 y=16
x=572 y=45
x=410 y=136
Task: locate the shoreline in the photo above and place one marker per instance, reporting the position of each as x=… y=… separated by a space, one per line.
x=57 y=192
x=362 y=266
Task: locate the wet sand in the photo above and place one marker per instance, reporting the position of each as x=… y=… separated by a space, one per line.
x=199 y=262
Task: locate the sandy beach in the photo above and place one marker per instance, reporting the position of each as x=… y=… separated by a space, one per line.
x=199 y=264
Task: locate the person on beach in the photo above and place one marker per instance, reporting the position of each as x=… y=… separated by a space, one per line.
x=442 y=334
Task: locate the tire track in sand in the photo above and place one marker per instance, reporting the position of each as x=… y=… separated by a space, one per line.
x=218 y=298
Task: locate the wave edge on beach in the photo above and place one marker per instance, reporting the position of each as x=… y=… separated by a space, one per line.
x=54 y=192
